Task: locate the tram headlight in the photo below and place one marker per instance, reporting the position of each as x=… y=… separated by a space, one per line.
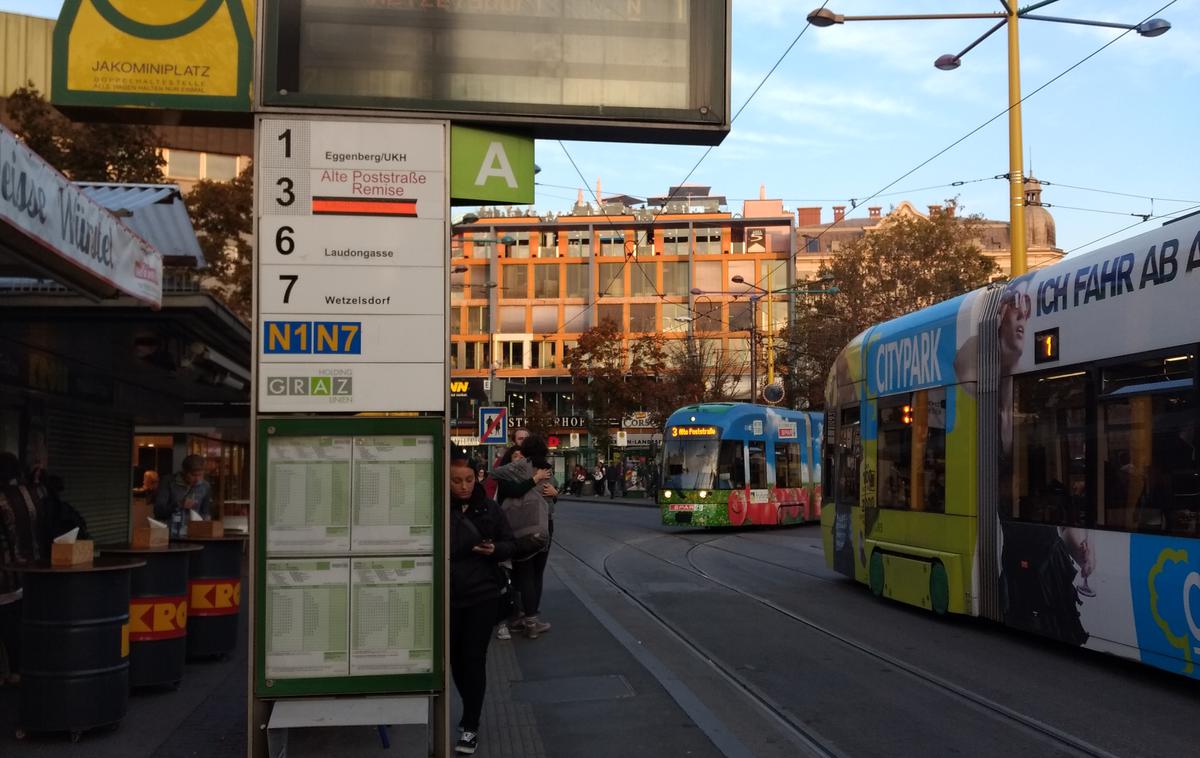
x=667 y=494
x=703 y=494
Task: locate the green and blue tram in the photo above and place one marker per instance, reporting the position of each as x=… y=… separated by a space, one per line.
x=733 y=464
x=1027 y=452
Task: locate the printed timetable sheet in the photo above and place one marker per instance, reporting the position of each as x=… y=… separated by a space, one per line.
x=391 y=616
x=309 y=505
x=307 y=618
x=393 y=495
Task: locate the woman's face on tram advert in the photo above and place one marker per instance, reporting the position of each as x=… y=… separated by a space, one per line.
x=1014 y=311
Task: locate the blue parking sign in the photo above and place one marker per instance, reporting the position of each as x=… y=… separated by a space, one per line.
x=493 y=426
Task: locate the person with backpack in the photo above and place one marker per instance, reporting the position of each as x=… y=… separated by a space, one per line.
x=527 y=491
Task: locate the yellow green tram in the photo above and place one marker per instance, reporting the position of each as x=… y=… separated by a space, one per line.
x=1028 y=453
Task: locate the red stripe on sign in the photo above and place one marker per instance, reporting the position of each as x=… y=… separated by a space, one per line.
x=361 y=206
x=215 y=597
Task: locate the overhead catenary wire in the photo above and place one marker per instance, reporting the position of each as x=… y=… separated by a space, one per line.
x=977 y=129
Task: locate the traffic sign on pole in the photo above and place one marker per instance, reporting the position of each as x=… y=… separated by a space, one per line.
x=493 y=426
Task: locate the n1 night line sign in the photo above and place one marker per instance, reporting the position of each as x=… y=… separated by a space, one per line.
x=352 y=264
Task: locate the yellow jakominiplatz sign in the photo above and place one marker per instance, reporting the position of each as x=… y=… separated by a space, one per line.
x=187 y=54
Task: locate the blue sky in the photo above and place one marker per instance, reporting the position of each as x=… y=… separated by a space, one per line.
x=854 y=107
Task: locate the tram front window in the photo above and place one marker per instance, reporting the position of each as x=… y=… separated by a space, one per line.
x=704 y=465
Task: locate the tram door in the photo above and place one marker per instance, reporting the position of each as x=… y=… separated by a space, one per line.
x=846 y=457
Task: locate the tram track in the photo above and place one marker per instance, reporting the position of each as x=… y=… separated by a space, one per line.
x=804 y=733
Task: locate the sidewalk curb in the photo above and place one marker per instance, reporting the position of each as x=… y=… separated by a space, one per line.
x=637 y=502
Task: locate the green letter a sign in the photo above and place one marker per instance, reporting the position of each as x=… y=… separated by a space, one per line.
x=490 y=167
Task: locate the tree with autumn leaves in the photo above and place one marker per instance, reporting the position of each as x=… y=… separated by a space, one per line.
x=221 y=212
x=615 y=377
x=906 y=263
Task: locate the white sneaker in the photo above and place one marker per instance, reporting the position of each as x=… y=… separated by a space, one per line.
x=502 y=632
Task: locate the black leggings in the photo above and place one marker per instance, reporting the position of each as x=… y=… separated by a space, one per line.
x=527 y=578
x=470 y=634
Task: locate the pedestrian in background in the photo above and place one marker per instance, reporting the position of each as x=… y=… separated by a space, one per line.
x=490 y=485
x=19 y=543
x=613 y=474
x=185 y=494
x=598 y=479
x=480 y=539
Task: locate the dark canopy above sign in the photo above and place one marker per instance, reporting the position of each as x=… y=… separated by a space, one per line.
x=652 y=70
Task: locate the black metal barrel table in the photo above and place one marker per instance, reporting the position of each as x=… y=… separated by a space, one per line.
x=214 y=595
x=75 y=645
x=158 y=613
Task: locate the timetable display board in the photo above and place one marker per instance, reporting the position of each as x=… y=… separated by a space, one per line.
x=348 y=580
x=352 y=255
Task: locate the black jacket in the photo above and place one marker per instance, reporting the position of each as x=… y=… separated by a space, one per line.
x=475 y=578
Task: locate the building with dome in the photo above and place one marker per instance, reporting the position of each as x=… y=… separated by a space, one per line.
x=815 y=242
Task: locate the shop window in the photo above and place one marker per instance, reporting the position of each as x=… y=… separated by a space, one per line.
x=675 y=318
x=612 y=245
x=1045 y=473
x=642 y=317
x=708 y=276
x=518 y=247
x=577 y=280
x=744 y=269
x=455 y=320
x=183 y=164
x=708 y=242
x=574 y=318
x=477 y=320
x=741 y=316
x=677 y=242
x=512 y=319
x=220 y=168
x=544 y=319
x=544 y=354
x=707 y=317
x=643 y=279
x=512 y=354
x=675 y=278
x=611 y=312
x=545 y=281
x=516 y=282
x=579 y=245
x=612 y=279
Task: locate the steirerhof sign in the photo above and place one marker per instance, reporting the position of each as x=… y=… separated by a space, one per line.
x=186 y=54
x=70 y=234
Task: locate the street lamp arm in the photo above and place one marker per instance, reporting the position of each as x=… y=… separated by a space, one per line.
x=1147 y=29
x=949 y=62
x=826 y=17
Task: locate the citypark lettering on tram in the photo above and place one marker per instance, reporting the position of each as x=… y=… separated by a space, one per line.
x=732 y=464
x=1027 y=452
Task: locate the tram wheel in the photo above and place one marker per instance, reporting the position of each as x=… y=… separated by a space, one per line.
x=876 y=574
x=939 y=589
